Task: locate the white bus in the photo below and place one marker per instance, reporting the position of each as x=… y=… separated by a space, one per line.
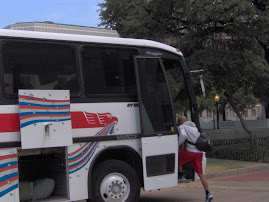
x=86 y=117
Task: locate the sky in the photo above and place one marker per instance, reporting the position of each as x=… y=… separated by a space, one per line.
x=74 y=12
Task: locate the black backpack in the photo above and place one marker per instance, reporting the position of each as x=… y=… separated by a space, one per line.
x=202 y=143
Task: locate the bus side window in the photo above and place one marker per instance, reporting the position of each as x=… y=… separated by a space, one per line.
x=108 y=71
x=37 y=65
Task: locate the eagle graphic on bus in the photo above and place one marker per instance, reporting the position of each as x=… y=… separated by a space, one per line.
x=79 y=158
x=83 y=119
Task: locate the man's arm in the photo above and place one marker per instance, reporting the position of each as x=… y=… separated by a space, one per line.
x=182 y=136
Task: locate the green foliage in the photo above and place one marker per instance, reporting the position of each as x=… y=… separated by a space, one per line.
x=210 y=103
x=228 y=39
x=242 y=151
x=239 y=148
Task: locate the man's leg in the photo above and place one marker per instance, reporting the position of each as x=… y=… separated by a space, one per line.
x=197 y=166
x=204 y=181
x=181 y=161
x=181 y=176
x=209 y=197
x=180 y=168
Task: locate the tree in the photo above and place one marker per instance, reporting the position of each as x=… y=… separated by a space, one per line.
x=130 y=18
x=234 y=63
x=262 y=37
x=227 y=38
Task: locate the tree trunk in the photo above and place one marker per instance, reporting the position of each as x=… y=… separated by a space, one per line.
x=223 y=111
x=223 y=115
x=267 y=111
x=253 y=137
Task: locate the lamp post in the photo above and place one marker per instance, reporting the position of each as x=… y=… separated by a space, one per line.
x=216 y=98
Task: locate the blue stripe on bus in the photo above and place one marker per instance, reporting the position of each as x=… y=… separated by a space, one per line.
x=81 y=153
x=70 y=172
x=82 y=159
x=7 y=164
x=43 y=105
x=43 y=113
x=44 y=120
x=6 y=177
x=4 y=192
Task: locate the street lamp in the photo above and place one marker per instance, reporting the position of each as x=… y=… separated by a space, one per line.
x=216 y=98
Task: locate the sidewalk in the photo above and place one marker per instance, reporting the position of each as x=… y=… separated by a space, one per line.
x=249 y=187
x=246 y=184
x=247 y=167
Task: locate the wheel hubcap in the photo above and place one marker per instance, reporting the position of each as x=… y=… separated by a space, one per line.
x=115 y=187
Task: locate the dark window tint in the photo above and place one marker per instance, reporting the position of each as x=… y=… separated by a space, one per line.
x=156 y=108
x=109 y=70
x=39 y=66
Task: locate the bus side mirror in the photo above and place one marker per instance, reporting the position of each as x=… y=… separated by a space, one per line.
x=202 y=82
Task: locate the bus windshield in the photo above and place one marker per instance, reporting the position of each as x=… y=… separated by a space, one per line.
x=177 y=85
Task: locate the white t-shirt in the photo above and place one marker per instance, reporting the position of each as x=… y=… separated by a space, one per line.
x=188 y=131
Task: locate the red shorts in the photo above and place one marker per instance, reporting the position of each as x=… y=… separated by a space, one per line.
x=195 y=159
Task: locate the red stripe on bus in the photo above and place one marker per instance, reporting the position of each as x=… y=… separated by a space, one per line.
x=78 y=157
x=40 y=99
x=8 y=157
x=47 y=108
x=3 y=183
x=72 y=154
x=9 y=122
x=75 y=166
x=38 y=115
x=8 y=168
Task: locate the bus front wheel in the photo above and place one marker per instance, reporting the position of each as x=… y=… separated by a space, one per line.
x=115 y=180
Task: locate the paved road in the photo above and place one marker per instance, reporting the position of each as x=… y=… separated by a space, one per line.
x=242 y=188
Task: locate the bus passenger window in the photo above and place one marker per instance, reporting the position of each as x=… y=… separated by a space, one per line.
x=41 y=66
x=109 y=70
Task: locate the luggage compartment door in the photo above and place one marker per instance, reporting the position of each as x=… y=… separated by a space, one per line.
x=9 y=187
x=159 y=139
x=45 y=118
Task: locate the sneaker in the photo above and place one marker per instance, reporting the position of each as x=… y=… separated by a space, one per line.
x=181 y=179
x=208 y=197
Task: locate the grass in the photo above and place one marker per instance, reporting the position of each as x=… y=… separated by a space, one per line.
x=213 y=166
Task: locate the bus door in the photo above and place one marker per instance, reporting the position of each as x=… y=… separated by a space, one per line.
x=158 y=135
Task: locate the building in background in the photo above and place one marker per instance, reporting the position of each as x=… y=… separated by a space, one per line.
x=48 y=26
x=256 y=112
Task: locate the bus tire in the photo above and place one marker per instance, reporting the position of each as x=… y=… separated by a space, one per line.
x=115 y=180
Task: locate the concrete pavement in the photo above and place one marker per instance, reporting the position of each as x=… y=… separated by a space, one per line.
x=247 y=167
x=222 y=192
x=247 y=184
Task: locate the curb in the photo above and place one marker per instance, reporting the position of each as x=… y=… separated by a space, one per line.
x=239 y=171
